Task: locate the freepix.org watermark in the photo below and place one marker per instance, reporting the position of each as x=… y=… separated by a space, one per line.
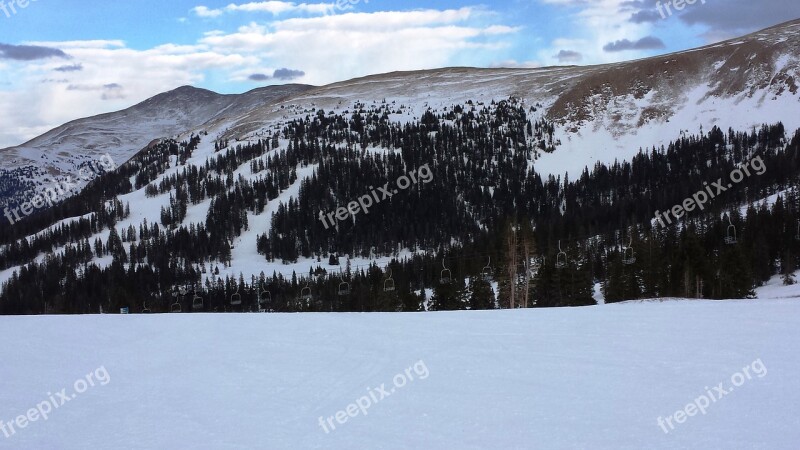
x=665 y=10
x=10 y=8
x=60 y=189
x=347 y=5
x=710 y=192
x=711 y=396
x=367 y=201
x=55 y=401
x=363 y=404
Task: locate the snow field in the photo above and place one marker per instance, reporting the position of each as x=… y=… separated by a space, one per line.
x=594 y=377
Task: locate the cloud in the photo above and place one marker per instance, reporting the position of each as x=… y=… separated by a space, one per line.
x=728 y=18
x=111 y=91
x=70 y=68
x=288 y=74
x=738 y=17
x=588 y=25
x=279 y=74
x=645 y=43
x=339 y=47
x=273 y=7
x=29 y=52
x=645 y=16
x=568 y=56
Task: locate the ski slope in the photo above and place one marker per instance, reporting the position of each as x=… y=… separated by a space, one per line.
x=596 y=377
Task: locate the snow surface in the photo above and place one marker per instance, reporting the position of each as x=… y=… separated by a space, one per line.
x=596 y=377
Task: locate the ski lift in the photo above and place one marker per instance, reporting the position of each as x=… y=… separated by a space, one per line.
x=264 y=300
x=236 y=298
x=176 y=306
x=561 y=259
x=145 y=309
x=344 y=288
x=487 y=272
x=731 y=238
x=305 y=293
x=627 y=254
x=197 y=302
x=446 y=276
x=388 y=285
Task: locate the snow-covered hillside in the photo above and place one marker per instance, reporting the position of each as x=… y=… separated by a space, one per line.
x=603 y=112
x=595 y=377
x=60 y=152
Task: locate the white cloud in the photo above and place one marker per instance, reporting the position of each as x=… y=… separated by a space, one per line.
x=204 y=11
x=338 y=47
x=594 y=24
x=273 y=7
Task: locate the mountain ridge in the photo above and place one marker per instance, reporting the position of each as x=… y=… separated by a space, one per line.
x=616 y=107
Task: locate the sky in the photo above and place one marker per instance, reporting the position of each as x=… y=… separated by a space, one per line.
x=62 y=60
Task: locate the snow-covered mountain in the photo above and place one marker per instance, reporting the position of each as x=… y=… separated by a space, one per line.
x=223 y=192
x=602 y=112
x=63 y=150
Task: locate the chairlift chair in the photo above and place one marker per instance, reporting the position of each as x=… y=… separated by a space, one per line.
x=264 y=300
x=344 y=288
x=627 y=254
x=305 y=294
x=487 y=271
x=197 y=302
x=236 y=298
x=145 y=309
x=446 y=275
x=731 y=238
x=388 y=285
x=176 y=305
x=561 y=259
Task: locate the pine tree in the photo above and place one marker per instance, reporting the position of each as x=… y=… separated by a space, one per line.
x=482 y=296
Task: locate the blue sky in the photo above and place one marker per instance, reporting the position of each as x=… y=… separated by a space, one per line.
x=61 y=60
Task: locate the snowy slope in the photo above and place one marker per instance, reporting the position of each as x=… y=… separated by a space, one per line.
x=596 y=377
x=602 y=113
x=60 y=152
